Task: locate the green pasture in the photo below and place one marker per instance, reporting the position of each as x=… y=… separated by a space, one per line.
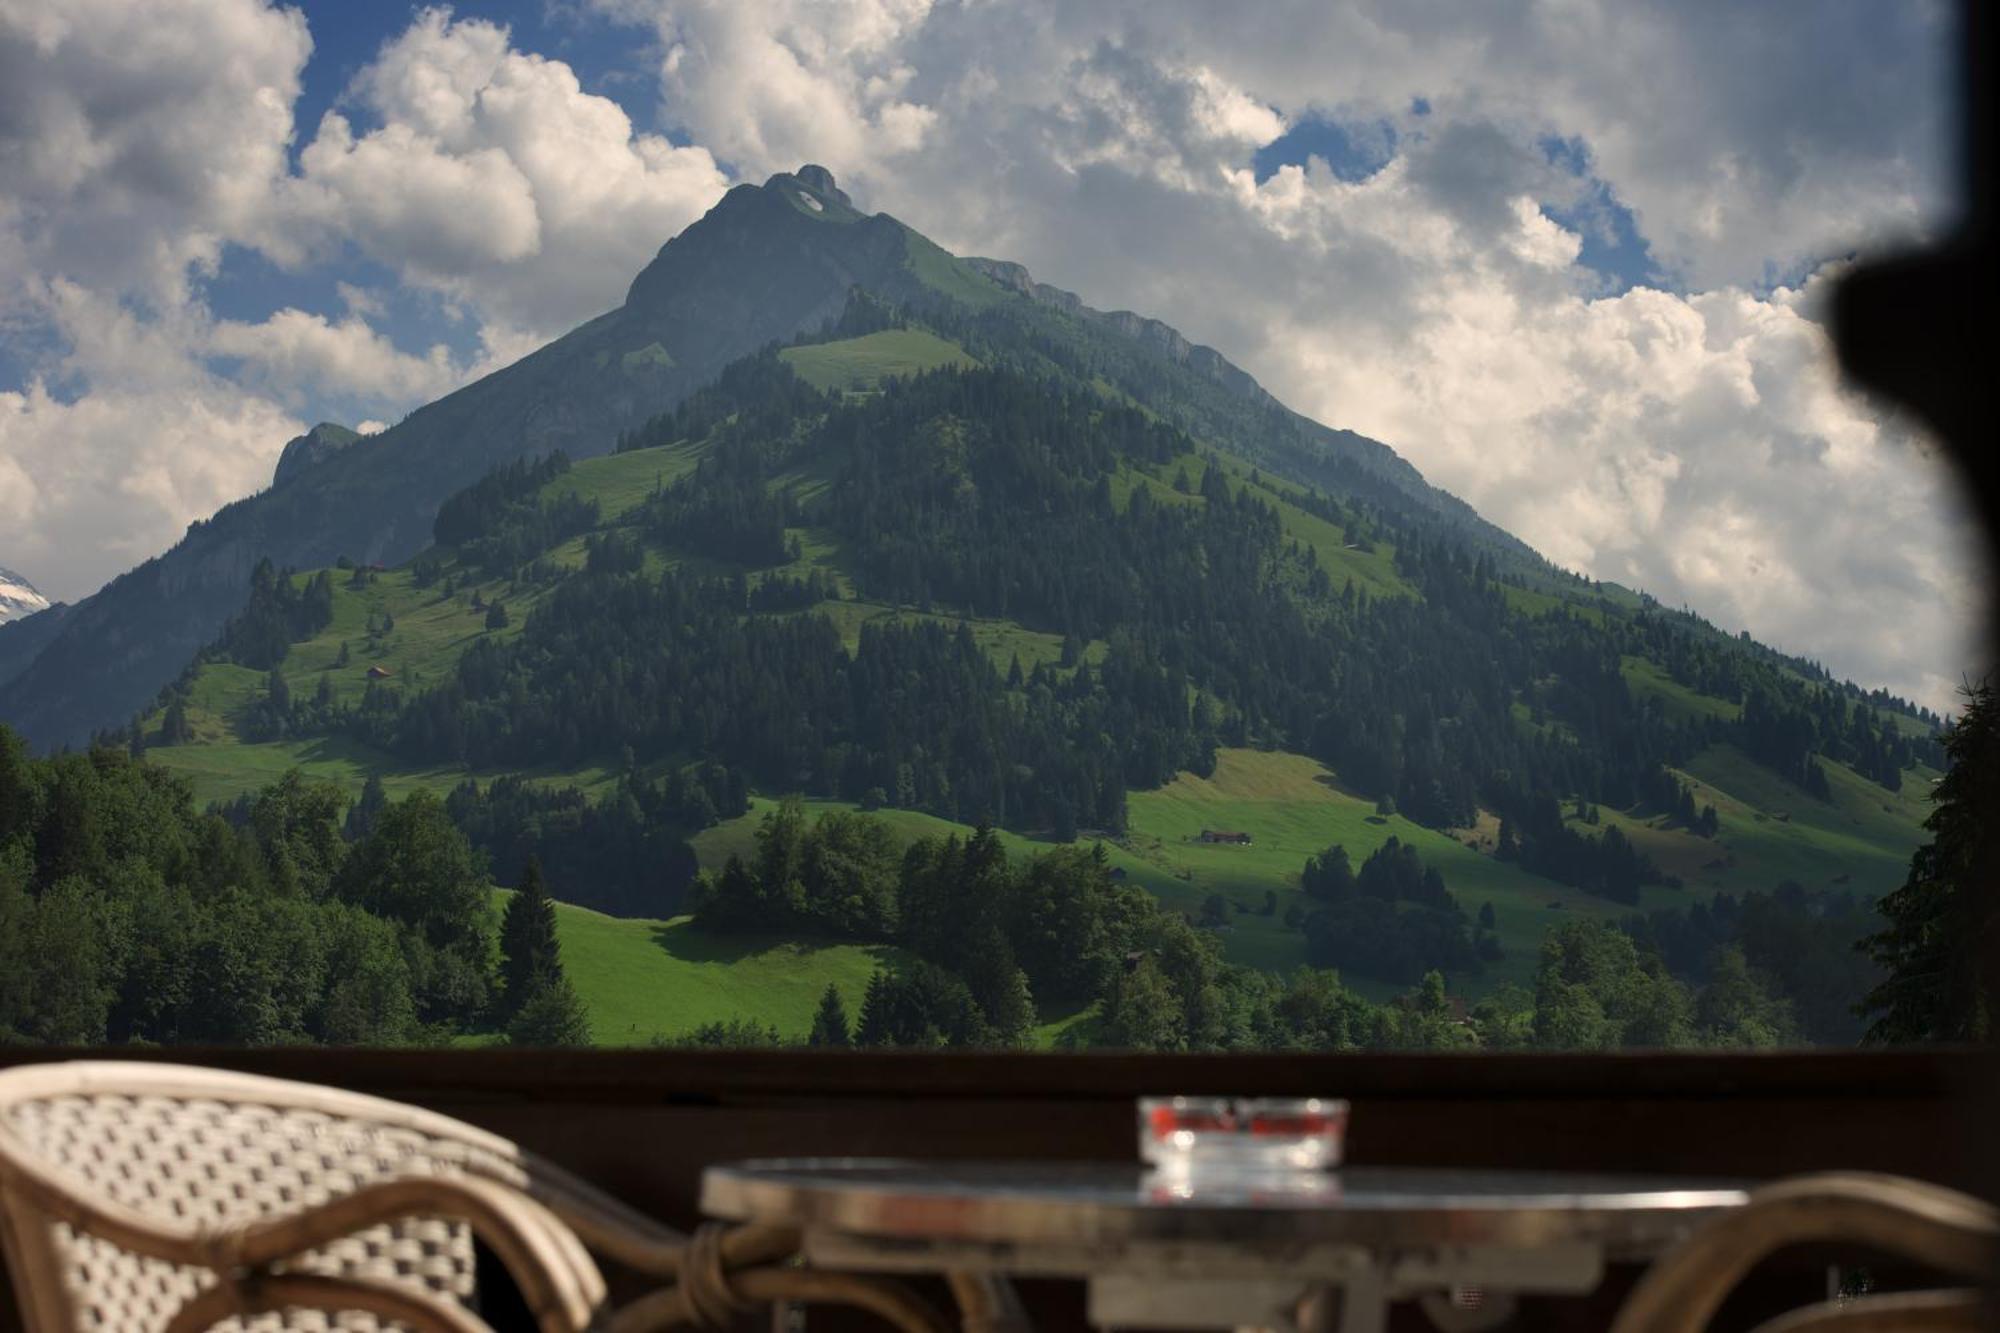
x=853 y=364
x=645 y=979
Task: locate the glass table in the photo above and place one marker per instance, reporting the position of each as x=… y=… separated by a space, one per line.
x=1302 y=1250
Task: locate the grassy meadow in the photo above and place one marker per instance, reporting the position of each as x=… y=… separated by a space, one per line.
x=855 y=364
x=642 y=980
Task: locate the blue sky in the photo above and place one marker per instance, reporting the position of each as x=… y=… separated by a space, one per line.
x=1567 y=263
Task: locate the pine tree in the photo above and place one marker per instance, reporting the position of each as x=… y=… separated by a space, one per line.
x=878 y=1021
x=361 y=815
x=553 y=1016
x=830 y=1023
x=1944 y=923
x=174 y=729
x=530 y=960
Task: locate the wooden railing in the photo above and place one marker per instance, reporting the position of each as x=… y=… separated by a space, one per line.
x=644 y=1123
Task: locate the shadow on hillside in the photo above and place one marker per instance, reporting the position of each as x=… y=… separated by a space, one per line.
x=691 y=944
x=1332 y=782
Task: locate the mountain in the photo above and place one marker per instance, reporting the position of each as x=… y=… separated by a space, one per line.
x=18 y=597
x=765 y=264
x=311 y=449
x=822 y=509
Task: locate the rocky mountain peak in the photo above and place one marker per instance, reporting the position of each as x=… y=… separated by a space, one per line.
x=820 y=181
x=311 y=449
x=18 y=597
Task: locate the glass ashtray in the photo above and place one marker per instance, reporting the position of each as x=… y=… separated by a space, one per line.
x=1187 y=1134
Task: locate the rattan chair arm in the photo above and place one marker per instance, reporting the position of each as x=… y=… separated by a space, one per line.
x=890 y=1301
x=606 y=1224
x=267 y=1293
x=554 y=1272
x=1957 y=1311
x=1949 y=1231
x=660 y=1251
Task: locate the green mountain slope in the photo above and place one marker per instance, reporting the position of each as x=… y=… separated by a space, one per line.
x=837 y=513
x=782 y=493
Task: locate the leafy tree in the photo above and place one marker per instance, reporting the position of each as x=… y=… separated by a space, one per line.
x=368 y=1000
x=415 y=867
x=71 y=966
x=1593 y=991
x=1423 y=1021
x=1944 y=922
x=17 y=918
x=296 y=822
x=733 y=1034
x=830 y=1022
x=1736 y=1008
x=1141 y=1012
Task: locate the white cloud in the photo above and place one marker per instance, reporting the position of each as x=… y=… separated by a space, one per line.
x=299 y=358
x=136 y=139
x=776 y=83
x=91 y=487
x=491 y=177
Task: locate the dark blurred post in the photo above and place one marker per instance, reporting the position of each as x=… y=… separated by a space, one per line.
x=1911 y=329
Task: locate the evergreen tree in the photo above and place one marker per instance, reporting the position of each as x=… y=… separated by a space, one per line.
x=553 y=1016
x=174 y=728
x=361 y=815
x=530 y=958
x=496 y=615
x=1328 y=877
x=830 y=1023
x=1944 y=923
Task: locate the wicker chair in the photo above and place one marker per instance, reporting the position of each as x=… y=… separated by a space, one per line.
x=157 y=1198
x=1948 y=1231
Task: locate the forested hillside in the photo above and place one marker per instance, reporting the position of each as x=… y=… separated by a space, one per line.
x=842 y=595
x=990 y=594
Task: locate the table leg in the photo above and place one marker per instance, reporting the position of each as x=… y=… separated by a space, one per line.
x=1360 y=1304
x=987 y=1303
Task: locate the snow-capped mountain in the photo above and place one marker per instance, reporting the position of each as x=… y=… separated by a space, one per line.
x=18 y=597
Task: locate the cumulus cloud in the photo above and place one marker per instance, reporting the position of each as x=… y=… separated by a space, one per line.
x=773 y=84
x=136 y=140
x=299 y=357
x=92 y=486
x=490 y=177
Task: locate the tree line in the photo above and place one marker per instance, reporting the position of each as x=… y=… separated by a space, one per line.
x=126 y=915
